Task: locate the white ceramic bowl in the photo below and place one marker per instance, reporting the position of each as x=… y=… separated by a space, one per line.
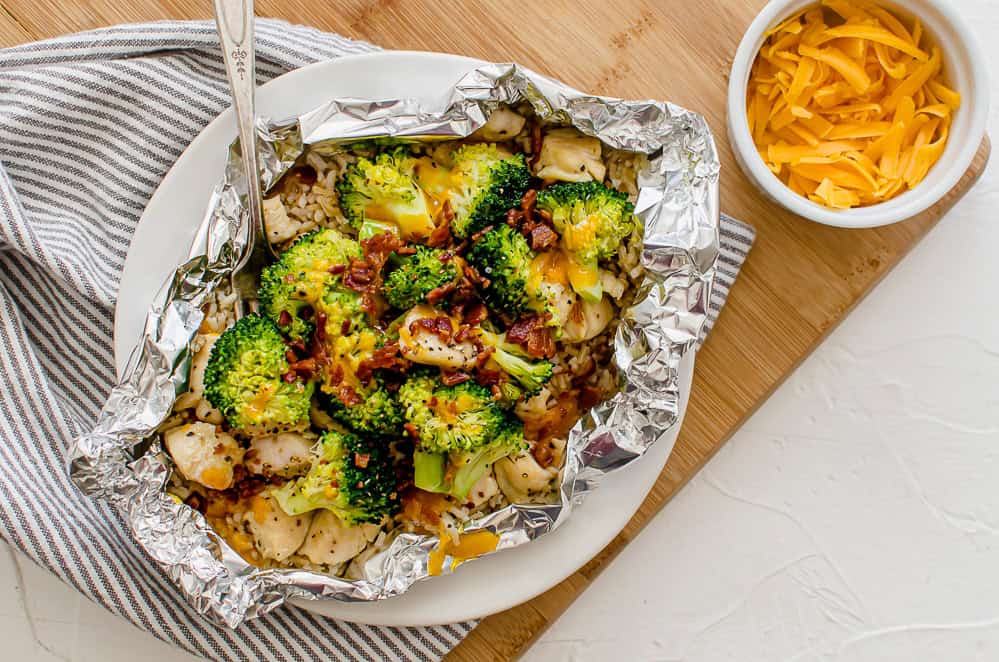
x=964 y=69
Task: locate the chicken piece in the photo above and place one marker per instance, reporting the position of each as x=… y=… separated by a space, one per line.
x=276 y=535
x=205 y=412
x=421 y=345
x=331 y=542
x=286 y=454
x=587 y=320
x=570 y=156
x=280 y=227
x=204 y=454
x=503 y=124
x=612 y=285
x=522 y=479
x=199 y=362
x=483 y=490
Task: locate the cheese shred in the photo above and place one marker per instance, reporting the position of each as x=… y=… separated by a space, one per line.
x=847 y=106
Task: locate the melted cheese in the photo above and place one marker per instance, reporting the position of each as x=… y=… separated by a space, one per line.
x=255 y=408
x=846 y=106
x=469 y=546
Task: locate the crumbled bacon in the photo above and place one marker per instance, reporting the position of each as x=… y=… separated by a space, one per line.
x=289 y=377
x=440 y=325
x=384 y=358
x=298 y=346
x=284 y=319
x=542 y=237
x=481 y=233
x=348 y=395
x=442 y=233
x=304 y=368
x=533 y=335
x=290 y=356
x=475 y=314
x=360 y=274
x=453 y=378
x=406 y=250
x=321 y=327
x=464 y=331
x=488 y=377
x=338 y=269
x=474 y=276
x=336 y=376
x=411 y=430
x=437 y=294
x=483 y=357
x=345 y=327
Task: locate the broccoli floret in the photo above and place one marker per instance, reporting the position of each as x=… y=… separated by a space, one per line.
x=244 y=377
x=350 y=475
x=384 y=190
x=490 y=183
x=592 y=220
x=461 y=431
x=503 y=256
x=531 y=375
x=418 y=274
x=301 y=277
x=379 y=413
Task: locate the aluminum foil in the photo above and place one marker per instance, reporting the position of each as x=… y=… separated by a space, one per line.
x=122 y=461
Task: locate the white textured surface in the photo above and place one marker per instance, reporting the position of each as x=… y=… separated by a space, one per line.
x=854 y=518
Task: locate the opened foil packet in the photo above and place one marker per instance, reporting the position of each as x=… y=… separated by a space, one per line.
x=122 y=459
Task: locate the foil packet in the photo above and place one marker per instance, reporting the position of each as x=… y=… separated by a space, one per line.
x=122 y=461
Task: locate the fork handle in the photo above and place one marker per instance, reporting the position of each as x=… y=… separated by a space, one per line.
x=235 y=26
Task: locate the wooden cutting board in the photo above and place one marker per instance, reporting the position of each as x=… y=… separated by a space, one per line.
x=801 y=278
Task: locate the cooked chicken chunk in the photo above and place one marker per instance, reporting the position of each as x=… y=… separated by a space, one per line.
x=421 y=345
x=286 y=454
x=331 y=542
x=587 y=320
x=276 y=535
x=522 y=479
x=570 y=156
x=204 y=454
x=503 y=124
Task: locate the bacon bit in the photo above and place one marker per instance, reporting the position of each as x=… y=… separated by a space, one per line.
x=542 y=237
x=305 y=367
x=306 y=312
x=440 y=326
x=337 y=269
x=411 y=430
x=528 y=201
x=545 y=215
x=488 y=377
x=536 y=141
x=450 y=378
x=348 y=395
x=289 y=377
x=284 y=319
x=423 y=508
x=385 y=358
x=464 y=331
x=345 y=327
x=361 y=460
x=543 y=454
x=437 y=294
x=496 y=391
x=476 y=314
x=336 y=376
x=533 y=335
x=540 y=343
x=481 y=233
x=290 y=356
x=321 y=327
x=360 y=274
x=298 y=346
x=442 y=233
x=514 y=217
x=474 y=276
x=483 y=357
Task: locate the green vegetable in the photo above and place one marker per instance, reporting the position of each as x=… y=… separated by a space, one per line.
x=379 y=413
x=418 y=274
x=384 y=190
x=530 y=375
x=593 y=220
x=503 y=256
x=490 y=183
x=460 y=426
x=351 y=476
x=301 y=277
x=243 y=378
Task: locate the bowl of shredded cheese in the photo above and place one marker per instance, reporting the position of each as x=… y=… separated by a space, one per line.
x=855 y=113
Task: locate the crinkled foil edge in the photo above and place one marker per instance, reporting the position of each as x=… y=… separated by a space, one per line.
x=121 y=459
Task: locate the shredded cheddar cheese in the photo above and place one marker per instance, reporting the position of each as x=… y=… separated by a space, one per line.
x=846 y=104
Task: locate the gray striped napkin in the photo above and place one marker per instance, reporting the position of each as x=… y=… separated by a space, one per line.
x=89 y=124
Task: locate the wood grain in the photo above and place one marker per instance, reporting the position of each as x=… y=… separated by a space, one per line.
x=801 y=280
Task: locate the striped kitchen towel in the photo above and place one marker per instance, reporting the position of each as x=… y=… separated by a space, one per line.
x=89 y=124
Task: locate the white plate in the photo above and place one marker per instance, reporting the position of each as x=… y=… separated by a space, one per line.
x=162 y=240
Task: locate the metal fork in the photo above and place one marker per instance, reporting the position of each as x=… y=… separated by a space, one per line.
x=234 y=19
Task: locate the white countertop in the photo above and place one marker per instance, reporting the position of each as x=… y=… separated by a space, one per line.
x=855 y=517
